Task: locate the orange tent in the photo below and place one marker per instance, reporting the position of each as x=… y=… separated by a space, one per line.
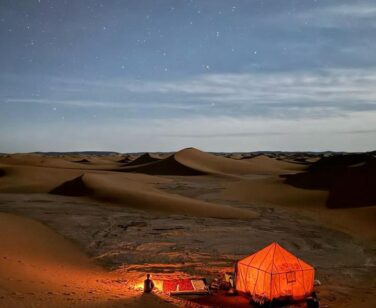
x=273 y=272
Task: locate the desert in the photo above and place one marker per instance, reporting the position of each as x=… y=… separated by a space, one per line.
x=84 y=230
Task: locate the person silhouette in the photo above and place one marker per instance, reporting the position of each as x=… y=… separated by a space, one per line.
x=148 y=284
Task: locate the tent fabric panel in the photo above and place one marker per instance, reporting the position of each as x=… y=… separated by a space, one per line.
x=260 y=259
x=263 y=285
x=309 y=279
x=297 y=284
x=253 y=281
x=285 y=261
x=241 y=272
x=246 y=278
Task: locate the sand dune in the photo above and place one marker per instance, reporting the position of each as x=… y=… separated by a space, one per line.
x=126 y=158
x=32 y=179
x=273 y=191
x=122 y=190
x=278 y=166
x=349 y=179
x=129 y=189
x=191 y=161
x=144 y=159
x=82 y=161
x=75 y=187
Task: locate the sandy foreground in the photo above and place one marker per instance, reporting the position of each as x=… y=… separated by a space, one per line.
x=83 y=231
x=39 y=268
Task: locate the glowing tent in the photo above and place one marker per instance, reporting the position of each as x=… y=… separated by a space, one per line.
x=274 y=273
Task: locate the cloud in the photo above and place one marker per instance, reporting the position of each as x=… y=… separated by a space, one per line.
x=334 y=90
x=303 y=94
x=362 y=10
x=95 y=104
x=211 y=133
x=352 y=15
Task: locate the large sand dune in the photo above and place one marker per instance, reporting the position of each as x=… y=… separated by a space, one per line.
x=349 y=179
x=122 y=190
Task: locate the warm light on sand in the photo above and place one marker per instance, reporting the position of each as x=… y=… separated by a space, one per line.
x=158 y=285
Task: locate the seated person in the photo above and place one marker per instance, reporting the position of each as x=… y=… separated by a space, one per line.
x=148 y=284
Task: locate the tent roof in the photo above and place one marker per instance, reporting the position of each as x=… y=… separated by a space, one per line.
x=274 y=259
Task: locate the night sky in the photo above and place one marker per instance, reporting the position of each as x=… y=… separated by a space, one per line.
x=163 y=75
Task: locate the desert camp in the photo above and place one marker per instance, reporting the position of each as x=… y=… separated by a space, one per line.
x=274 y=273
x=191 y=153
